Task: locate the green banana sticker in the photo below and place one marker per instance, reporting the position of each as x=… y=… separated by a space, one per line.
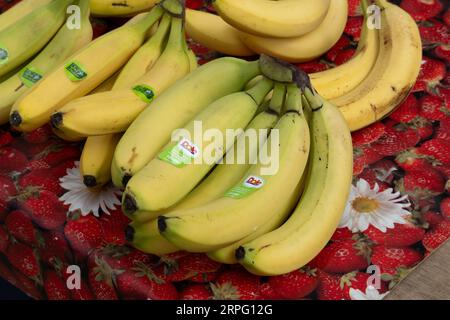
x=4 y=55
x=250 y=185
x=30 y=76
x=75 y=71
x=146 y=93
x=180 y=154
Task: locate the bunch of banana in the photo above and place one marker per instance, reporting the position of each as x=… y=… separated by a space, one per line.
x=114 y=8
x=393 y=74
x=82 y=72
x=64 y=43
x=293 y=30
x=23 y=37
x=20 y=10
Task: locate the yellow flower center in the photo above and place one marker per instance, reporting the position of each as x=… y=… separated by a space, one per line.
x=363 y=205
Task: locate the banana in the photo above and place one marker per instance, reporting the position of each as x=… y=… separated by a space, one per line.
x=193 y=63
x=95 y=163
x=166 y=179
x=393 y=75
x=338 y=81
x=27 y=36
x=114 y=8
x=250 y=204
x=145 y=58
x=144 y=235
x=81 y=73
x=20 y=10
x=64 y=44
x=281 y=19
x=308 y=46
x=173 y=109
x=114 y=111
x=317 y=215
x=211 y=31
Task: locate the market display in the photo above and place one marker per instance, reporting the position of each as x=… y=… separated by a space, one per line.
x=222 y=150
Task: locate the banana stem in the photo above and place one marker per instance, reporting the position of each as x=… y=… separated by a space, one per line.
x=153 y=16
x=163 y=28
x=176 y=37
x=260 y=90
x=175 y=8
x=364 y=5
x=313 y=99
x=294 y=99
x=276 y=69
x=85 y=9
x=279 y=95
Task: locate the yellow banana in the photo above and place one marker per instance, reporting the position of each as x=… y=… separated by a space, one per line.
x=114 y=8
x=394 y=73
x=318 y=213
x=65 y=43
x=308 y=46
x=81 y=73
x=282 y=19
x=145 y=58
x=250 y=204
x=114 y=111
x=173 y=109
x=28 y=35
x=144 y=235
x=18 y=11
x=338 y=81
x=211 y=31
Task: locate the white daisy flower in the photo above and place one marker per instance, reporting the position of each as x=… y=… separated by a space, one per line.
x=85 y=199
x=367 y=206
x=370 y=294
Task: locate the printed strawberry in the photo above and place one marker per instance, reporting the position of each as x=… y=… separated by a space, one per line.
x=342 y=234
x=4 y=239
x=61 y=169
x=24 y=259
x=329 y=287
x=101 y=281
x=28 y=286
x=55 y=287
x=113 y=226
x=407 y=110
x=99 y=27
x=44 y=208
x=431 y=73
x=343 y=256
x=54 y=249
x=422 y=9
x=359 y=161
x=433 y=219
x=401 y=235
x=395 y=140
x=194 y=4
x=12 y=160
x=354 y=8
x=296 y=284
x=32 y=150
x=445 y=207
x=266 y=292
x=57 y=154
x=433 y=239
x=344 y=56
x=7 y=274
x=118 y=257
x=371 y=154
x=369 y=134
x=385 y=170
x=371 y=177
x=421 y=184
x=37 y=165
x=7 y=191
x=195 y=292
x=410 y=160
x=236 y=284
x=434 y=108
x=43 y=179
x=313 y=66
x=433 y=32
x=21 y=227
x=39 y=135
x=423 y=127
x=83 y=293
x=443 y=51
x=84 y=233
x=357 y=281
x=390 y=259
x=140 y=282
x=443 y=132
x=343 y=43
x=438 y=149
x=5 y=138
x=446 y=17
x=353 y=27
x=204 y=277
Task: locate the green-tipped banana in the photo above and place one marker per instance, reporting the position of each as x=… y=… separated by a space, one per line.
x=24 y=38
x=252 y=202
x=65 y=43
x=168 y=178
x=173 y=109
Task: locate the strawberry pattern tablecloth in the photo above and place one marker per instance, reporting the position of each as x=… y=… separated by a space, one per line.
x=409 y=152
